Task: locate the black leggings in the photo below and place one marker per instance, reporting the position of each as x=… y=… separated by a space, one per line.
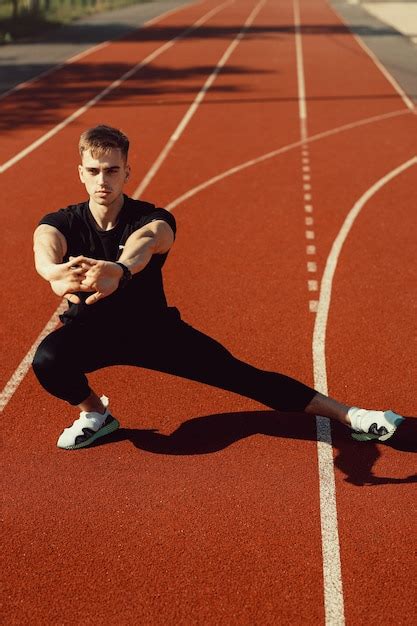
x=67 y=354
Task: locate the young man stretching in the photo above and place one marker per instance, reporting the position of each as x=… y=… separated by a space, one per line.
x=105 y=257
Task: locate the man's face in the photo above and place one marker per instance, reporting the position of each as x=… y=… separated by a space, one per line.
x=104 y=177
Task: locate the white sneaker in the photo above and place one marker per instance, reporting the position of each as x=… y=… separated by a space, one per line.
x=87 y=428
x=371 y=425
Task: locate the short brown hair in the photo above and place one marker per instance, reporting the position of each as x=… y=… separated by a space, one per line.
x=101 y=139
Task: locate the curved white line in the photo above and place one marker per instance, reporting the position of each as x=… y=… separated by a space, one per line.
x=320 y=325
x=269 y=155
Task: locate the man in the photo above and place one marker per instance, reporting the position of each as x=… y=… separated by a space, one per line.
x=105 y=257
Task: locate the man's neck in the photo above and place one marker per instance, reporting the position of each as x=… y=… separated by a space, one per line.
x=106 y=216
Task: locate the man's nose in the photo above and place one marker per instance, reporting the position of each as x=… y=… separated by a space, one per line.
x=101 y=178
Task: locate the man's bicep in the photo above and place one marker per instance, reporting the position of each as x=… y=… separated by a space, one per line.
x=160 y=231
x=164 y=234
x=47 y=236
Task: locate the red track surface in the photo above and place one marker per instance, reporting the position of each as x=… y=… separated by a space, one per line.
x=173 y=521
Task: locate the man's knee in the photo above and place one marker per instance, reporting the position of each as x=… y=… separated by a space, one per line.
x=46 y=358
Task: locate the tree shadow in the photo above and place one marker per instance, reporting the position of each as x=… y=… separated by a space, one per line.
x=74 y=85
x=96 y=33
x=211 y=433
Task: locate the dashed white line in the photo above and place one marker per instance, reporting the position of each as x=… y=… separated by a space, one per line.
x=332 y=577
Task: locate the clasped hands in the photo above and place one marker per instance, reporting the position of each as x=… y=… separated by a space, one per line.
x=84 y=274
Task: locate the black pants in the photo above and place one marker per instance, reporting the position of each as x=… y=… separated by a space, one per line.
x=67 y=354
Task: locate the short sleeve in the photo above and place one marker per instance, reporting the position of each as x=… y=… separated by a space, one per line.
x=59 y=220
x=160 y=214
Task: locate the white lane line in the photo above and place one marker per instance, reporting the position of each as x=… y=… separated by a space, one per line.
x=196 y=103
x=156 y=53
x=302 y=107
x=320 y=326
x=84 y=53
x=26 y=362
x=409 y=104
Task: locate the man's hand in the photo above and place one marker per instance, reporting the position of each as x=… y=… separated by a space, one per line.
x=66 y=278
x=102 y=277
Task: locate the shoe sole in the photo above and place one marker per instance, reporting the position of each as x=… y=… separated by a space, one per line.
x=105 y=430
x=369 y=437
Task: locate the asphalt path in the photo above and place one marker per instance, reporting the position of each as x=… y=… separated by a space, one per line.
x=23 y=61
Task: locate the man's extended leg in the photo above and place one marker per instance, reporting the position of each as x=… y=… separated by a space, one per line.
x=189 y=353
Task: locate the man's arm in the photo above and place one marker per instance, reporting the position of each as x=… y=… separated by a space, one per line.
x=50 y=247
x=154 y=238
x=103 y=277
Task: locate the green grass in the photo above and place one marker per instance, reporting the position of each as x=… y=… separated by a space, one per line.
x=30 y=23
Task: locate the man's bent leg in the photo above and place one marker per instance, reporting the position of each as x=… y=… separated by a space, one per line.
x=60 y=364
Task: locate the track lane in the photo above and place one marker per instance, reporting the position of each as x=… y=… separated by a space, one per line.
x=377 y=370
x=347 y=92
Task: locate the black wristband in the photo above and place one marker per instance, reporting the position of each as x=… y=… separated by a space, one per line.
x=126 y=276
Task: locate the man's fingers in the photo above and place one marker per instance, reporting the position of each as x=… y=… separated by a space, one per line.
x=72 y=298
x=84 y=286
x=76 y=269
x=94 y=298
x=81 y=261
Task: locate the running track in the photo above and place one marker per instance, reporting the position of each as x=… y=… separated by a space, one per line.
x=293 y=182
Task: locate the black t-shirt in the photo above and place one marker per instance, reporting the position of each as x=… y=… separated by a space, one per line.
x=143 y=298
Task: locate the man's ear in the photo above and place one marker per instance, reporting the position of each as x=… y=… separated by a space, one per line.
x=127 y=175
x=81 y=173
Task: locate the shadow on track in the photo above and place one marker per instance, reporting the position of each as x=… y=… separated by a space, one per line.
x=74 y=85
x=212 y=433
